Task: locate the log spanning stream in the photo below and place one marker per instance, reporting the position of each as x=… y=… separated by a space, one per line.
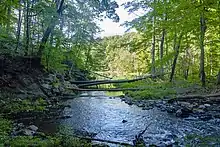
x=111 y=119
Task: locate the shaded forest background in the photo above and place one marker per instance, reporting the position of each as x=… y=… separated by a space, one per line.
x=178 y=38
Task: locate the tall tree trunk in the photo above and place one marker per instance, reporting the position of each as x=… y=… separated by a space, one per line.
x=186 y=63
x=18 y=26
x=176 y=49
x=9 y=19
x=162 y=49
x=153 y=70
x=50 y=29
x=202 y=48
x=27 y=28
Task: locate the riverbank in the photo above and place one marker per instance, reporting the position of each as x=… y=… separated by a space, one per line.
x=29 y=94
x=182 y=99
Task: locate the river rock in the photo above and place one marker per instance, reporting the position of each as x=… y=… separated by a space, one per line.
x=28 y=132
x=183 y=112
x=202 y=107
x=179 y=112
x=124 y=121
x=217 y=116
x=33 y=128
x=170 y=109
x=47 y=86
x=205 y=117
x=147 y=108
x=198 y=111
x=140 y=104
x=207 y=105
x=186 y=105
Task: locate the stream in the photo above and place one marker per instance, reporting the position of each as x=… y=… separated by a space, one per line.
x=111 y=119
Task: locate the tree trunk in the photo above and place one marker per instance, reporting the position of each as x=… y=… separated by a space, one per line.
x=186 y=63
x=153 y=70
x=50 y=29
x=162 y=49
x=202 y=48
x=176 y=49
x=27 y=28
x=9 y=20
x=19 y=26
x=218 y=78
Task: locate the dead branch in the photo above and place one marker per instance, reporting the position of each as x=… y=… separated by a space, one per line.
x=92 y=83
x=108 y=89
x=138 y=137
x=102 y=140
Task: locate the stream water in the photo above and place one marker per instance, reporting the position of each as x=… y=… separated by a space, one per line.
x=103 y=115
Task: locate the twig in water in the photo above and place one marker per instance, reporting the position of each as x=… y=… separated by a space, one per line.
x=138 y=137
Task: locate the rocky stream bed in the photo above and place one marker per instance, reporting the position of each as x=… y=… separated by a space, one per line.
x=122 y=119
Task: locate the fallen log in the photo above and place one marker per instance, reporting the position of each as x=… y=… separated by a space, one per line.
x=99 y=82
x=115 y=81
x=84 y=82
x=107 y=89
x=102 y=140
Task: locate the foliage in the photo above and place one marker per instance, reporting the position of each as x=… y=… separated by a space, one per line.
x=23 y=25
x=26 y=141
x=179 y=17
x=5 y=129
x=26 y=105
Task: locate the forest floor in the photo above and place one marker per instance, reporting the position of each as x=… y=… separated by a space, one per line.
x=27 y=94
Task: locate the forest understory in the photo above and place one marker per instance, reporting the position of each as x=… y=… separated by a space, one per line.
x=28 y=93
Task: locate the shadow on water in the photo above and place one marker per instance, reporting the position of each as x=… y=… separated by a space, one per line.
x=111 y=119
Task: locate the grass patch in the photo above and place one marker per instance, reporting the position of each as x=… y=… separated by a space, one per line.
x=59 y=141
x=5 y=129
x=157 y=89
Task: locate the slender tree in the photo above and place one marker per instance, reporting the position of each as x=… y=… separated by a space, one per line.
x=202 y=45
